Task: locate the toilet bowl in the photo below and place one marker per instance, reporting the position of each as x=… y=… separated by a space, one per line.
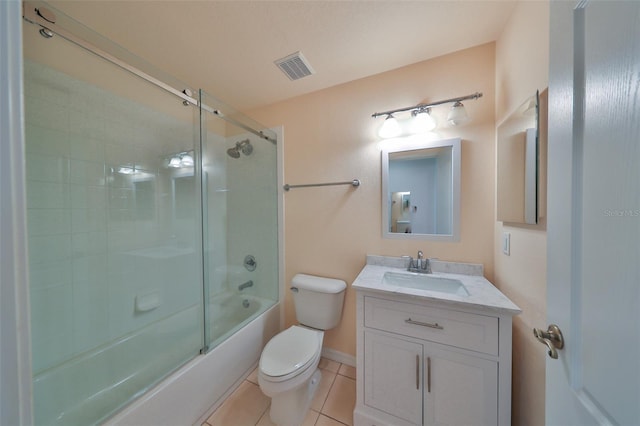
x=288 y=370
x=288 y=373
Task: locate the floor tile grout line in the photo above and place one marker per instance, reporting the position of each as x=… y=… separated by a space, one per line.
x=265 y=410
x=332 y=418
x=327 y=398
x=344 y=375
x=330 y=387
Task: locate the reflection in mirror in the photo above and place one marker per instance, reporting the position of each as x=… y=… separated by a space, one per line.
x=400 y=202
x=182 y=191
x=145 y=198
x=518 y=167
x=421 y=189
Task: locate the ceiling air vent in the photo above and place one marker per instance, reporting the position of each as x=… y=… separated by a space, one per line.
x=295 y=66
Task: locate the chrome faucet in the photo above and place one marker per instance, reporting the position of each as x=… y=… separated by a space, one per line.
x=420 y=264
x=245 y=285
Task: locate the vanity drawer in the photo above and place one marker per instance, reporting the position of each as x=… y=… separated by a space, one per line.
x=469 y=331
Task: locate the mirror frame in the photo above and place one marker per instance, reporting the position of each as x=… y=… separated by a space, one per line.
x=418 y=143
x=530 y=191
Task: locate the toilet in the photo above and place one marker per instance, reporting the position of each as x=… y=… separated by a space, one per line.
x=288 y=371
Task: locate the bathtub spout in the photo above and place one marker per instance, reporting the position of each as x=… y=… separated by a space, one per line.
x=245 y=285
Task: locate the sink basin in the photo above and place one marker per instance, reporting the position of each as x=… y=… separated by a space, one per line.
x=425 y=282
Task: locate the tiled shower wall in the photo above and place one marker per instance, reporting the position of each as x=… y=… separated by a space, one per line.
x=253 y=226
x=88 y=221
x=115 y=238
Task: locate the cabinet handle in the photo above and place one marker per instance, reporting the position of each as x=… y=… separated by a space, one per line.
x=424 y=324
x=429 y=374
x=417 y=371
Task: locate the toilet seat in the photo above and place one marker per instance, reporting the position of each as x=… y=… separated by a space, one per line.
x=290 y=353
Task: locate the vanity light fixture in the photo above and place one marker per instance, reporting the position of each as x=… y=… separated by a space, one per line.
x=458 y=114
x=181 y=159
x=187 y=160
x=422 y=120
x=175 y=162
x=390 y=128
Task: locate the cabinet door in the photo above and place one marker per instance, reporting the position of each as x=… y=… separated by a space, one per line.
x=459 y=389
x=393 y=376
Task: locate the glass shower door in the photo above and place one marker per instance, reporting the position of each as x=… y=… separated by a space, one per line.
x=240 y=210
x=114 y=226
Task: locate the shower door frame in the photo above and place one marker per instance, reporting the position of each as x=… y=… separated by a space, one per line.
x=15 y=335
x=30 y=15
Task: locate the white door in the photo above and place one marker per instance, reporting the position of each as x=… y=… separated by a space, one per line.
x=593 y=286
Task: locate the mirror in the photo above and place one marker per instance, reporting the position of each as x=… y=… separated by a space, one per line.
x=518 y=166
x=421 y=189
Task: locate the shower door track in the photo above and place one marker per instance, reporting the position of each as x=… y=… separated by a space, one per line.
x=31 y=14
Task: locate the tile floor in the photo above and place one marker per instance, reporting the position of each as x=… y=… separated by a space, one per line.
x=332 y=405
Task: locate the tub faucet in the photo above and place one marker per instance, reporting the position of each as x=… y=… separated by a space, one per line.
x=245 y=285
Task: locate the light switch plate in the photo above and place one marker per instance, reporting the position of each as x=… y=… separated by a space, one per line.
x=506 y=243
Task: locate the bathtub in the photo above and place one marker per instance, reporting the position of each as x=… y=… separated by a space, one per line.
x=231 y=311
x=192 y=393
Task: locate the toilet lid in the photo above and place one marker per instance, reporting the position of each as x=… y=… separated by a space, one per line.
x=289 y=351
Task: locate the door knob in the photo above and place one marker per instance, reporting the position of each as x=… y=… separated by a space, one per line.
x=552 y=338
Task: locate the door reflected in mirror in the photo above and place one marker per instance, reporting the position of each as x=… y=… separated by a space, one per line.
x=518 y=164
x=400 y=220
x=421 y=189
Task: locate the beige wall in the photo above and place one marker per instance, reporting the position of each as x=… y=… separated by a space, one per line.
x=522 y=53
x=329 y=136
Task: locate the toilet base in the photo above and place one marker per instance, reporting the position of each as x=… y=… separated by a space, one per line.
x=290 y=408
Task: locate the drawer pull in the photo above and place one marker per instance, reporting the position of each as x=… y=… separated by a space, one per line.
x=417 y=371
x=424 y=324
x=429 y=374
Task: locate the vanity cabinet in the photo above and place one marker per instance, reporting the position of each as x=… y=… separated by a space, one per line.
x=392 y=381
x=426 y=363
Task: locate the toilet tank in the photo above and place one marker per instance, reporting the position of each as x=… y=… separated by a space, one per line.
x=318 y=300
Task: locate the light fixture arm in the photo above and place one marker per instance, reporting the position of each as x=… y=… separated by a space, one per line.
x=429 y=105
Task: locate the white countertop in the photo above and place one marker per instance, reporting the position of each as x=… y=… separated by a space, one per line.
x=482 y=294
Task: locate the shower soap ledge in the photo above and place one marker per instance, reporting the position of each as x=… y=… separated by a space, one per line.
x=148 y=301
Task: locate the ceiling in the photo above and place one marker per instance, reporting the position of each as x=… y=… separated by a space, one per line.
x=228 y=48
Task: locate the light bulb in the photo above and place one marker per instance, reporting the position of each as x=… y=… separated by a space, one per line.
x=422 y=121
x=390 y=128
x=187 y=161
x=175 y=162
x=457 y=115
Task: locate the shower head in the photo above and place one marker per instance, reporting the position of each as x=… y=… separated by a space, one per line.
x=233 y=152
x=243 y=146
x=247 y=149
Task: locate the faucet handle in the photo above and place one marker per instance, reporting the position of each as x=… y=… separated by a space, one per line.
x=426 y=266
x=410 y=265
